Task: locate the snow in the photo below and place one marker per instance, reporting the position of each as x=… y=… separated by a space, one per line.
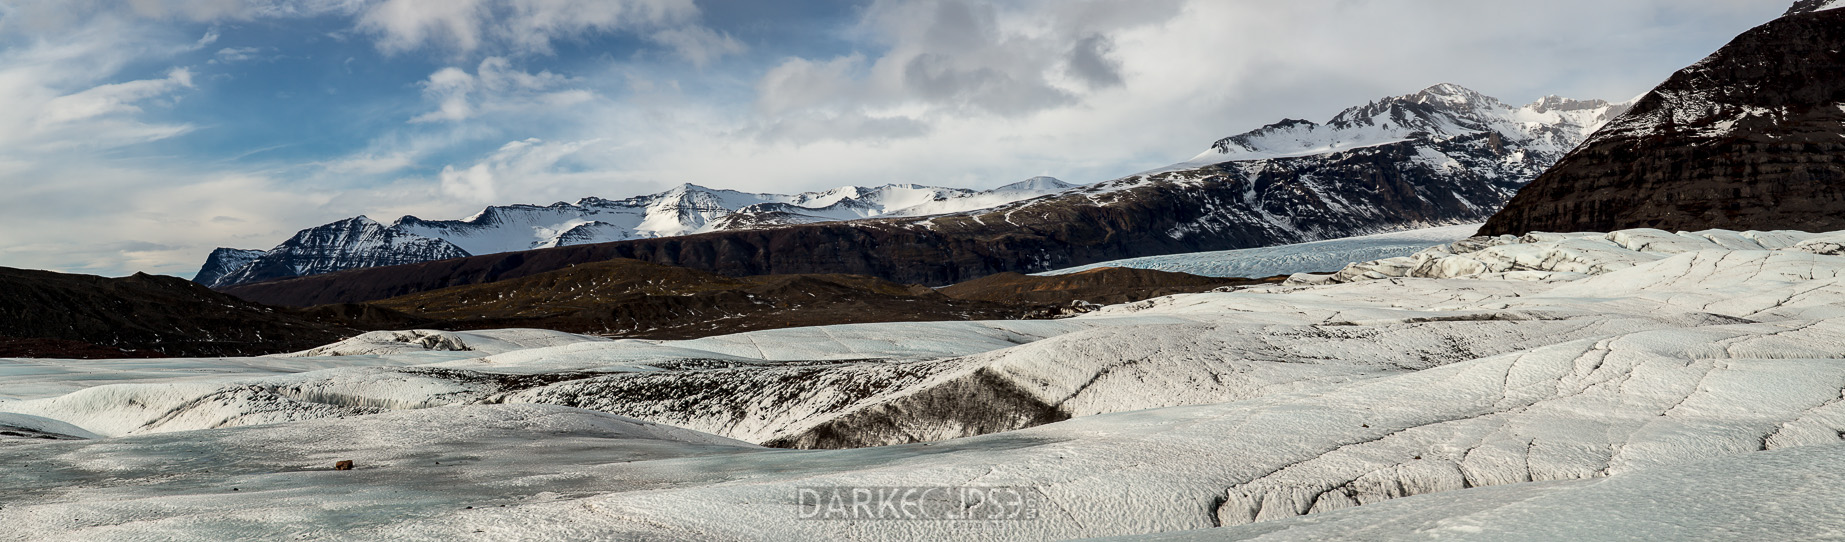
x=1640 y=384
x=1314 y=257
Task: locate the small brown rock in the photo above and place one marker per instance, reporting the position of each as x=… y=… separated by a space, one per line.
x=343 y=464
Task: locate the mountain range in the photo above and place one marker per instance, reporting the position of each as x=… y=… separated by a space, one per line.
x=1443 y=155
x=362 y=242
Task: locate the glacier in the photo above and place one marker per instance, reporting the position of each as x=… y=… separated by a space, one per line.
x=1635 y=383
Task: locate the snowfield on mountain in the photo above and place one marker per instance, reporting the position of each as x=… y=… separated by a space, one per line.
x=1476 y=390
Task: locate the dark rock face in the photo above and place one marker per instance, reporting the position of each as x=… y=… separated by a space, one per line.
x=1752 y=137
x=1220 y=207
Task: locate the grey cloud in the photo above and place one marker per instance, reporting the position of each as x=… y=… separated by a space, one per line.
x=960 y=59
x=938 y=78
x=1089 y=61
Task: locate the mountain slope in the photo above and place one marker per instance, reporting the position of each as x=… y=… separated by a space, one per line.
x=361 y=242
x=1752 y=137
x=156 y=314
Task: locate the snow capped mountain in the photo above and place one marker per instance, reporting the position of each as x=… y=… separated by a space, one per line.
x=683 y=210
x=1537 y=133
x=332 y=247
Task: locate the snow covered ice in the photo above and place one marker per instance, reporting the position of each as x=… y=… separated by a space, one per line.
x=1639 y=384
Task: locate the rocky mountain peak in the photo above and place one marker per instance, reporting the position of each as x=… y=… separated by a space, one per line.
x=1809 y=6
x=1451 y=96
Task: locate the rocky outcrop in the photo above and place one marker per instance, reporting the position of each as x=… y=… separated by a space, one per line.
x=1752 y=137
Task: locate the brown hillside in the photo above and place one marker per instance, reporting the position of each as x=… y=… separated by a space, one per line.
x=631 y=298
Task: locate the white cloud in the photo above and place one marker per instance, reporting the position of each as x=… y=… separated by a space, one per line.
x=519 y=26
x=111 y=98
x=528 y=161
x=236 y=54
x=698 y=45
x=495 y=87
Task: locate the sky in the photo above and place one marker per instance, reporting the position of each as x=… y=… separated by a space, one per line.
x=138 y=135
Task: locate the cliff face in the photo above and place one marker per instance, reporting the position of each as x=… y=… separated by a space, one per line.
x=1752 y=137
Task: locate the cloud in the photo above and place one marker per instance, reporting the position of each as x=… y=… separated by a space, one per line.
x=517 y=26
x=1089 y=62
x=526 y=161
x=495 y=87
x=111 y=98
x=236 y=54
x=697 y=44
x=956 y=58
